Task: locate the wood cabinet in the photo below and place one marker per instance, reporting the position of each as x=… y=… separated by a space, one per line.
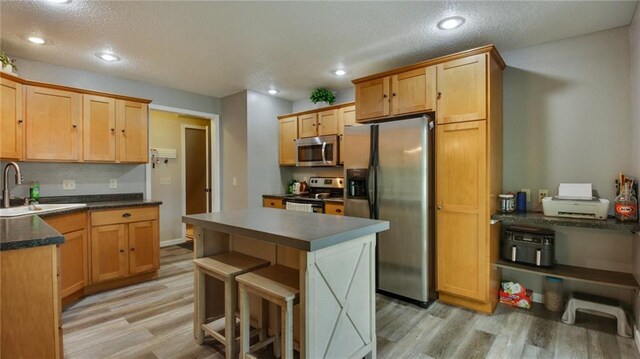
x=404 y=93
x=11 y=120
x=346 y=117
x=462 y=90
x=461 y=218
x=272 y=202
x=328 y=122
x=288 y=134
x=372 y=99
x=31 y=324
x=132 y=141
x=99 y=121
x=73 y=254
x=53 y=125
x=334 y=208
x=124 y=242
x=307 y=125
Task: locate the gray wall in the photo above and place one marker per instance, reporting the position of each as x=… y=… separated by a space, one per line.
x=94 y=178
x=264 y=175
x=634 y=51
x=233 y=154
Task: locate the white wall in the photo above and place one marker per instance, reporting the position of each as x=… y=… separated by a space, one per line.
x=94 y=178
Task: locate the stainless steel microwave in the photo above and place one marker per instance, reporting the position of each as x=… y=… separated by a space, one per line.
x=317 y=151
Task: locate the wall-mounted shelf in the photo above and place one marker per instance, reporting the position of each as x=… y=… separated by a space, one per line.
x=589 y=275
x=533 y=218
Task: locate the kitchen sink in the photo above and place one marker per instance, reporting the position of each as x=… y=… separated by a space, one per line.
x=39 y=208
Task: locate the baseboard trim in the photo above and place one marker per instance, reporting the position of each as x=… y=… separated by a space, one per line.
x=171 y=242
x=636 y=337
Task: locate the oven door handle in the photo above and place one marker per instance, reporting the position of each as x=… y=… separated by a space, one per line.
x=324 y=147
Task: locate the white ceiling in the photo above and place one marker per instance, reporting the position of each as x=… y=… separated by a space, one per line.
x=220 y=48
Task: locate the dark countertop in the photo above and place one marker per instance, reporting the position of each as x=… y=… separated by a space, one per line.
x=31 y=231
x=534 y=218
x=304 y=231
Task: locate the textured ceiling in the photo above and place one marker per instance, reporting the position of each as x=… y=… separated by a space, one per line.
x=219 y=48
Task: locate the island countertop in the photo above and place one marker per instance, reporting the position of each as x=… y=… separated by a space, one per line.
x=304 y=231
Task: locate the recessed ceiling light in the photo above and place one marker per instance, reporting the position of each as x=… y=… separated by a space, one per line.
x=273 y=91
x=59 y=1
x=106 y=56
x=340 y=72
x=36 y=40
x=451 y=23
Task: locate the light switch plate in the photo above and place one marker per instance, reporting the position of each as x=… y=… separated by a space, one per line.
x=113 y=183
x=68 y=185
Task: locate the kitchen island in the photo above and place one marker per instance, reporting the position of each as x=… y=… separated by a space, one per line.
x=335 y=257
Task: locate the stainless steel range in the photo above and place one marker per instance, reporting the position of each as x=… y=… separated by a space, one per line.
x=320 y=188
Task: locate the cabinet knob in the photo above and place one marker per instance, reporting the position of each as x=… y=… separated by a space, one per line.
x=20 y=121
x=113 y=129
x=439 y=95
x=122 y=131
x=122 y=251
x=313 y=124
x=384 y=96
x=133 y=249
x=126 y=215
x=273 y=204
x=74 y=126
x=439 y=207
x=338 y=210
x=393 y=94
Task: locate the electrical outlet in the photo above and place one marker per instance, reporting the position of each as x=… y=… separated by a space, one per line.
x=165 y=180
x=528 y=192
x=542 y=193
x=68 y=185
x=113 y=183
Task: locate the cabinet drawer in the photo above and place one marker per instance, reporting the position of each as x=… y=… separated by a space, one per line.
x=68 y=223
x=334 y=208
x=272 y=202
x=124 y=215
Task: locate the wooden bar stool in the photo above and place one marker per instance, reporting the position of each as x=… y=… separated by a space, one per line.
x=279 y=285
x=225 y=268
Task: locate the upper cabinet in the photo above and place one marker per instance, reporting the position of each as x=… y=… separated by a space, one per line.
x=288 y=133
x=404 y=93
x=99 y=128
x=11 y=119
x=328 y=122
x=346 y=117
x=462 y=90
x=132 y=119
x=54 y=125
x=50 y=123
x=307 y=124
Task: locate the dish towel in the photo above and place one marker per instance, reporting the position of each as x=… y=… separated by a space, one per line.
x=300 y=207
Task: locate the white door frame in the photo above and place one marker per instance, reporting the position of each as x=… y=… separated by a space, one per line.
x=214 y=140
x=183 y=170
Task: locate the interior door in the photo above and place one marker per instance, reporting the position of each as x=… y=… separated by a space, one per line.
x=108 y=252
x=143 y=247
x=461 y=205
x=99 y=128
x=196 y=172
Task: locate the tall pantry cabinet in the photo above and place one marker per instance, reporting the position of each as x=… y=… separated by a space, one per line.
x=468 y=179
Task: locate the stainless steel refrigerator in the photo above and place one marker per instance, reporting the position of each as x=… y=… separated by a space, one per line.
x=388 y=170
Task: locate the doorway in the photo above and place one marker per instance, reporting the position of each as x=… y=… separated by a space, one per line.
x=196 y=179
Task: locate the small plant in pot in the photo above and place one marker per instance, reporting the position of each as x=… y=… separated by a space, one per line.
x=322 y=95
x=8 y=64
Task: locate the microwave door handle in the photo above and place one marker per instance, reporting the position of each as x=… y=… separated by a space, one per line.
x=324 y=147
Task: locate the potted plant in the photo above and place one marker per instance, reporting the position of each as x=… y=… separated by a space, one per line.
x=4 y=60
x=322 y=95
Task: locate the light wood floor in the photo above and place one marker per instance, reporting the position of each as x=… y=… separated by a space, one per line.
x=153 y=320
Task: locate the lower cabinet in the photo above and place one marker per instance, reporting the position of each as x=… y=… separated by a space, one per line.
x=272 y=202
x=334 y=208
x=124 y=242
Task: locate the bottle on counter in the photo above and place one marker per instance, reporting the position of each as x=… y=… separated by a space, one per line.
x=626 y=207
x=553 y=300
x=34 y=191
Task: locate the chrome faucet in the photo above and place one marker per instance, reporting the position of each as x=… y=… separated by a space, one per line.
x=5 y=186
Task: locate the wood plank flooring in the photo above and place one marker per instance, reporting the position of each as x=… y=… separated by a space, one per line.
x=154 y=320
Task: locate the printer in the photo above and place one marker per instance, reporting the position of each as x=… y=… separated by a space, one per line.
x=576 y=200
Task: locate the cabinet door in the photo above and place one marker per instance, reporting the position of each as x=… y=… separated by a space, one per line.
x=414 y=91
x=11 y=120
x=346 y=117
x=99 y=128
x=288 y=133
x=108 y=252
x=73 y=262
x=462 y=90
x=336 y=209
x=372 y=99
x=132 y=139
x=144 y=247
x=272 y=203
x=54 y=124
x=307 y=125
x=328 y=122
x=461 y=218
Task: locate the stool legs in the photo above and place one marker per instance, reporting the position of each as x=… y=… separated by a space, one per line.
x=287 y=332
x=277 y=344
x=230 y=318
x=264 y=320
x=245 y=326
x=199 y=304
